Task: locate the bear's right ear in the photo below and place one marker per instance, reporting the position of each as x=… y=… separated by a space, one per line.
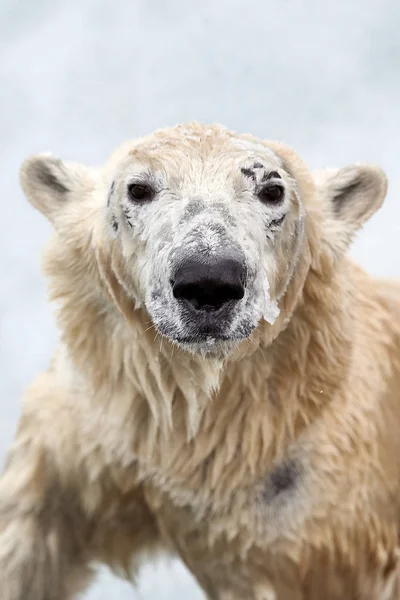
x=49 y=183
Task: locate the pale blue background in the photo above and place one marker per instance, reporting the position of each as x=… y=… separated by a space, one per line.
x=78 y=77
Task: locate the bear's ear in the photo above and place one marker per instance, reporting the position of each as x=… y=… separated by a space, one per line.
x=353 y=193
x=49 y=183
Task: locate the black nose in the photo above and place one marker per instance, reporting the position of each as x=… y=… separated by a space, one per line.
x=207 y=285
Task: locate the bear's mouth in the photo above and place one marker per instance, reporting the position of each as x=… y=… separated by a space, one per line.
x=207 y=330
x=203 y=338
x=217 y=346
x=198 y=334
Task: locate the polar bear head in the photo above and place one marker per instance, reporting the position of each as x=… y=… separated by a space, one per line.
x=207 y=231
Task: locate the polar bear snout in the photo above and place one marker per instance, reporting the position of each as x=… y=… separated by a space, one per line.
x=208 y=285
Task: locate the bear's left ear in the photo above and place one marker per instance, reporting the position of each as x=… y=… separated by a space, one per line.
x=50 y=183
x=353 y=194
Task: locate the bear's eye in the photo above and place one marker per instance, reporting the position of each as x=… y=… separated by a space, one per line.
x=271 y=193
x=140 y=192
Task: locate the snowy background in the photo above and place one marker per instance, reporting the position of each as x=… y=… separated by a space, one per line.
x=78 y=77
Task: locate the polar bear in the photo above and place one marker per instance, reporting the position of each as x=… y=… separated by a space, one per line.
x=227 y=387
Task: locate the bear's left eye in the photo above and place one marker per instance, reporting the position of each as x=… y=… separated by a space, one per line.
x=139 y=192
x=271 y=194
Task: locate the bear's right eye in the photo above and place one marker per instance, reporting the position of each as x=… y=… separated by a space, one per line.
x=139 y=192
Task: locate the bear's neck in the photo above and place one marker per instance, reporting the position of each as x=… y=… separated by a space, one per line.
x=242 y=415
x=252 y=405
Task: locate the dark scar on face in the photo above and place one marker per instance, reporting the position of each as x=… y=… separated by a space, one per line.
x=276 y=222
x=271 y=175
x=110 y=193
x=248 y=173
x=114 y=223
x=128 y=218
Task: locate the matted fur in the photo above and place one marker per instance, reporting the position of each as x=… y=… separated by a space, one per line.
x=269 y=465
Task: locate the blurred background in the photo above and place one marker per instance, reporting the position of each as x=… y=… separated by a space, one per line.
x=80 y=76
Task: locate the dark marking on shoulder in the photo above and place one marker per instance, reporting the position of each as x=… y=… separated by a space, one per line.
x=48 y=178
x=342 y=194
x=271 y=175
x=258 y=165
x=248 y=173
x=110 y=193
x=281 y=480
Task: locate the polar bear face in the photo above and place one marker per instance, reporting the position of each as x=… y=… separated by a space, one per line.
x=201 y=227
